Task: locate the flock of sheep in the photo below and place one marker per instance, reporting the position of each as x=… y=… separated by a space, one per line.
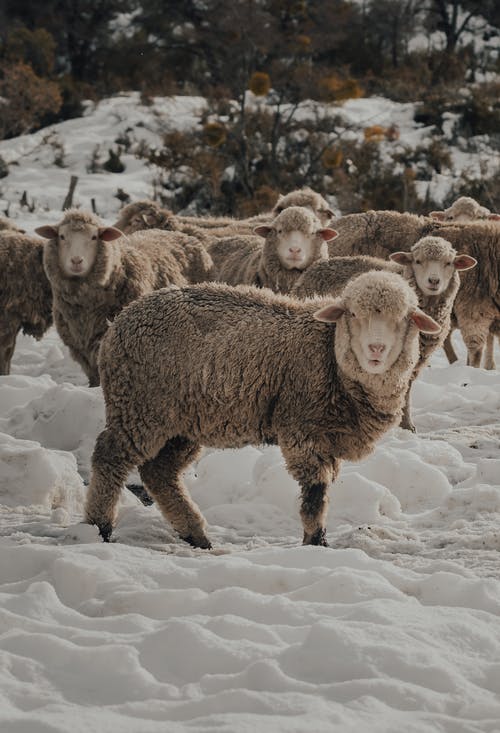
x=276 y=329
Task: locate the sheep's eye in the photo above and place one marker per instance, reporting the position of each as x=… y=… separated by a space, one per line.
x=448 y=264
x=353 y=315
x=418 y=262
x=61 y=236
x=280 y=231
x=94 y=237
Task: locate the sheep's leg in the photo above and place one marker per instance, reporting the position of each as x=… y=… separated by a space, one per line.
x=406 y=421
x=450 y=352
x=162 y=480
x=489 y=356
x=314 y=476
x=8 y=335
x=111 y=463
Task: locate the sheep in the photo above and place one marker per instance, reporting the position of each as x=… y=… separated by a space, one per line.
x=465 y=209
x=304 y=197
x=226 y=367
x=310 y=200
x=7 y=225
x=93 y=277
x=477 y=304
x=431 y=268
x=292 y=242
x=25 y=295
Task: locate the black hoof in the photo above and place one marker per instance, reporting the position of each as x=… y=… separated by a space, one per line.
x=105 y=531
x=318 y=538
x=203 y=544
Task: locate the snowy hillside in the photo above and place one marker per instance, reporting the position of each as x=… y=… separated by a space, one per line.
x=394 y=628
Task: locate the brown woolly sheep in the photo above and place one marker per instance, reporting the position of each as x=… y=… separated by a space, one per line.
x=25 y=295
x=309 y=199
x=467 y=210
x=464 y=210
x=7 y=225
x=93 y=277
x=431 y=268
x=292 y=242
x=477 y=304
x=227 y=367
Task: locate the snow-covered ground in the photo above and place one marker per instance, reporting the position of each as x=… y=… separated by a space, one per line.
x=394 y=628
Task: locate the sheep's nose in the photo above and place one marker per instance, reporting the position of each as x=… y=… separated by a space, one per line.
x=295 y=250
x=76 y=260
x=434 y=281
x=377 y=349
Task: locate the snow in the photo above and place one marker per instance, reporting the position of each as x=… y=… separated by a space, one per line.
x=395 y=627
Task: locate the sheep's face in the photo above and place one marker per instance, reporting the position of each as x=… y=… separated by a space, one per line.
x=376 y=311
x=297 y=238
x=433 y=274
x=376 y=340
x=77 y=245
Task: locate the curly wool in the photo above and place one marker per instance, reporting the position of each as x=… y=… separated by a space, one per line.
x=240 y=366
x=307 y=198
x=124 y=269
x=467 y=206
x=477 y=304
x=434 y=248
x=247 y=260
x=25 y=295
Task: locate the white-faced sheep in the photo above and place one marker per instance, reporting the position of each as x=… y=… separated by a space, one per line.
x=25 y=295
x=93 y=276
x=292 y=242
x=464 y=210
x=477 y=304
x=431 y=268
x=467 y=210
x=227 y=367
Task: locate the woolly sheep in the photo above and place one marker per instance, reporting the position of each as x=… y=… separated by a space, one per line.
x=292 y=242
x=477 y=304
x=305 y=197
x=431 y=268
x=25 y=295
x=146 y=214
x=227 y=367
x=464 y=210
x=309 y=199
x=7 y=225
x=93 y=277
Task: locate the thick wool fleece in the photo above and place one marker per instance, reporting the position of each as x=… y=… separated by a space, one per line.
x=467 y=206
x=307 y=198
x=124 y=269
x=25 y=294
x=226 y=367
x=477 y=304
x=329 y=277
x=7 y=225
x=146 y=214
x=256 y=262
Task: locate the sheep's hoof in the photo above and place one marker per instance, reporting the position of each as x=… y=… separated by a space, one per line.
x=318 y=538
x=105 y=531
x=202 y=542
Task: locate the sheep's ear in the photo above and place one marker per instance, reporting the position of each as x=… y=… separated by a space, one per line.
x=262 y=230
x=47 y=232
x=493 y=217
x=464 y=262
x=424 y=323
x=107 y=234
x=402 y=258
x=327 y=234
x=330 y=313
x=439 y=215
